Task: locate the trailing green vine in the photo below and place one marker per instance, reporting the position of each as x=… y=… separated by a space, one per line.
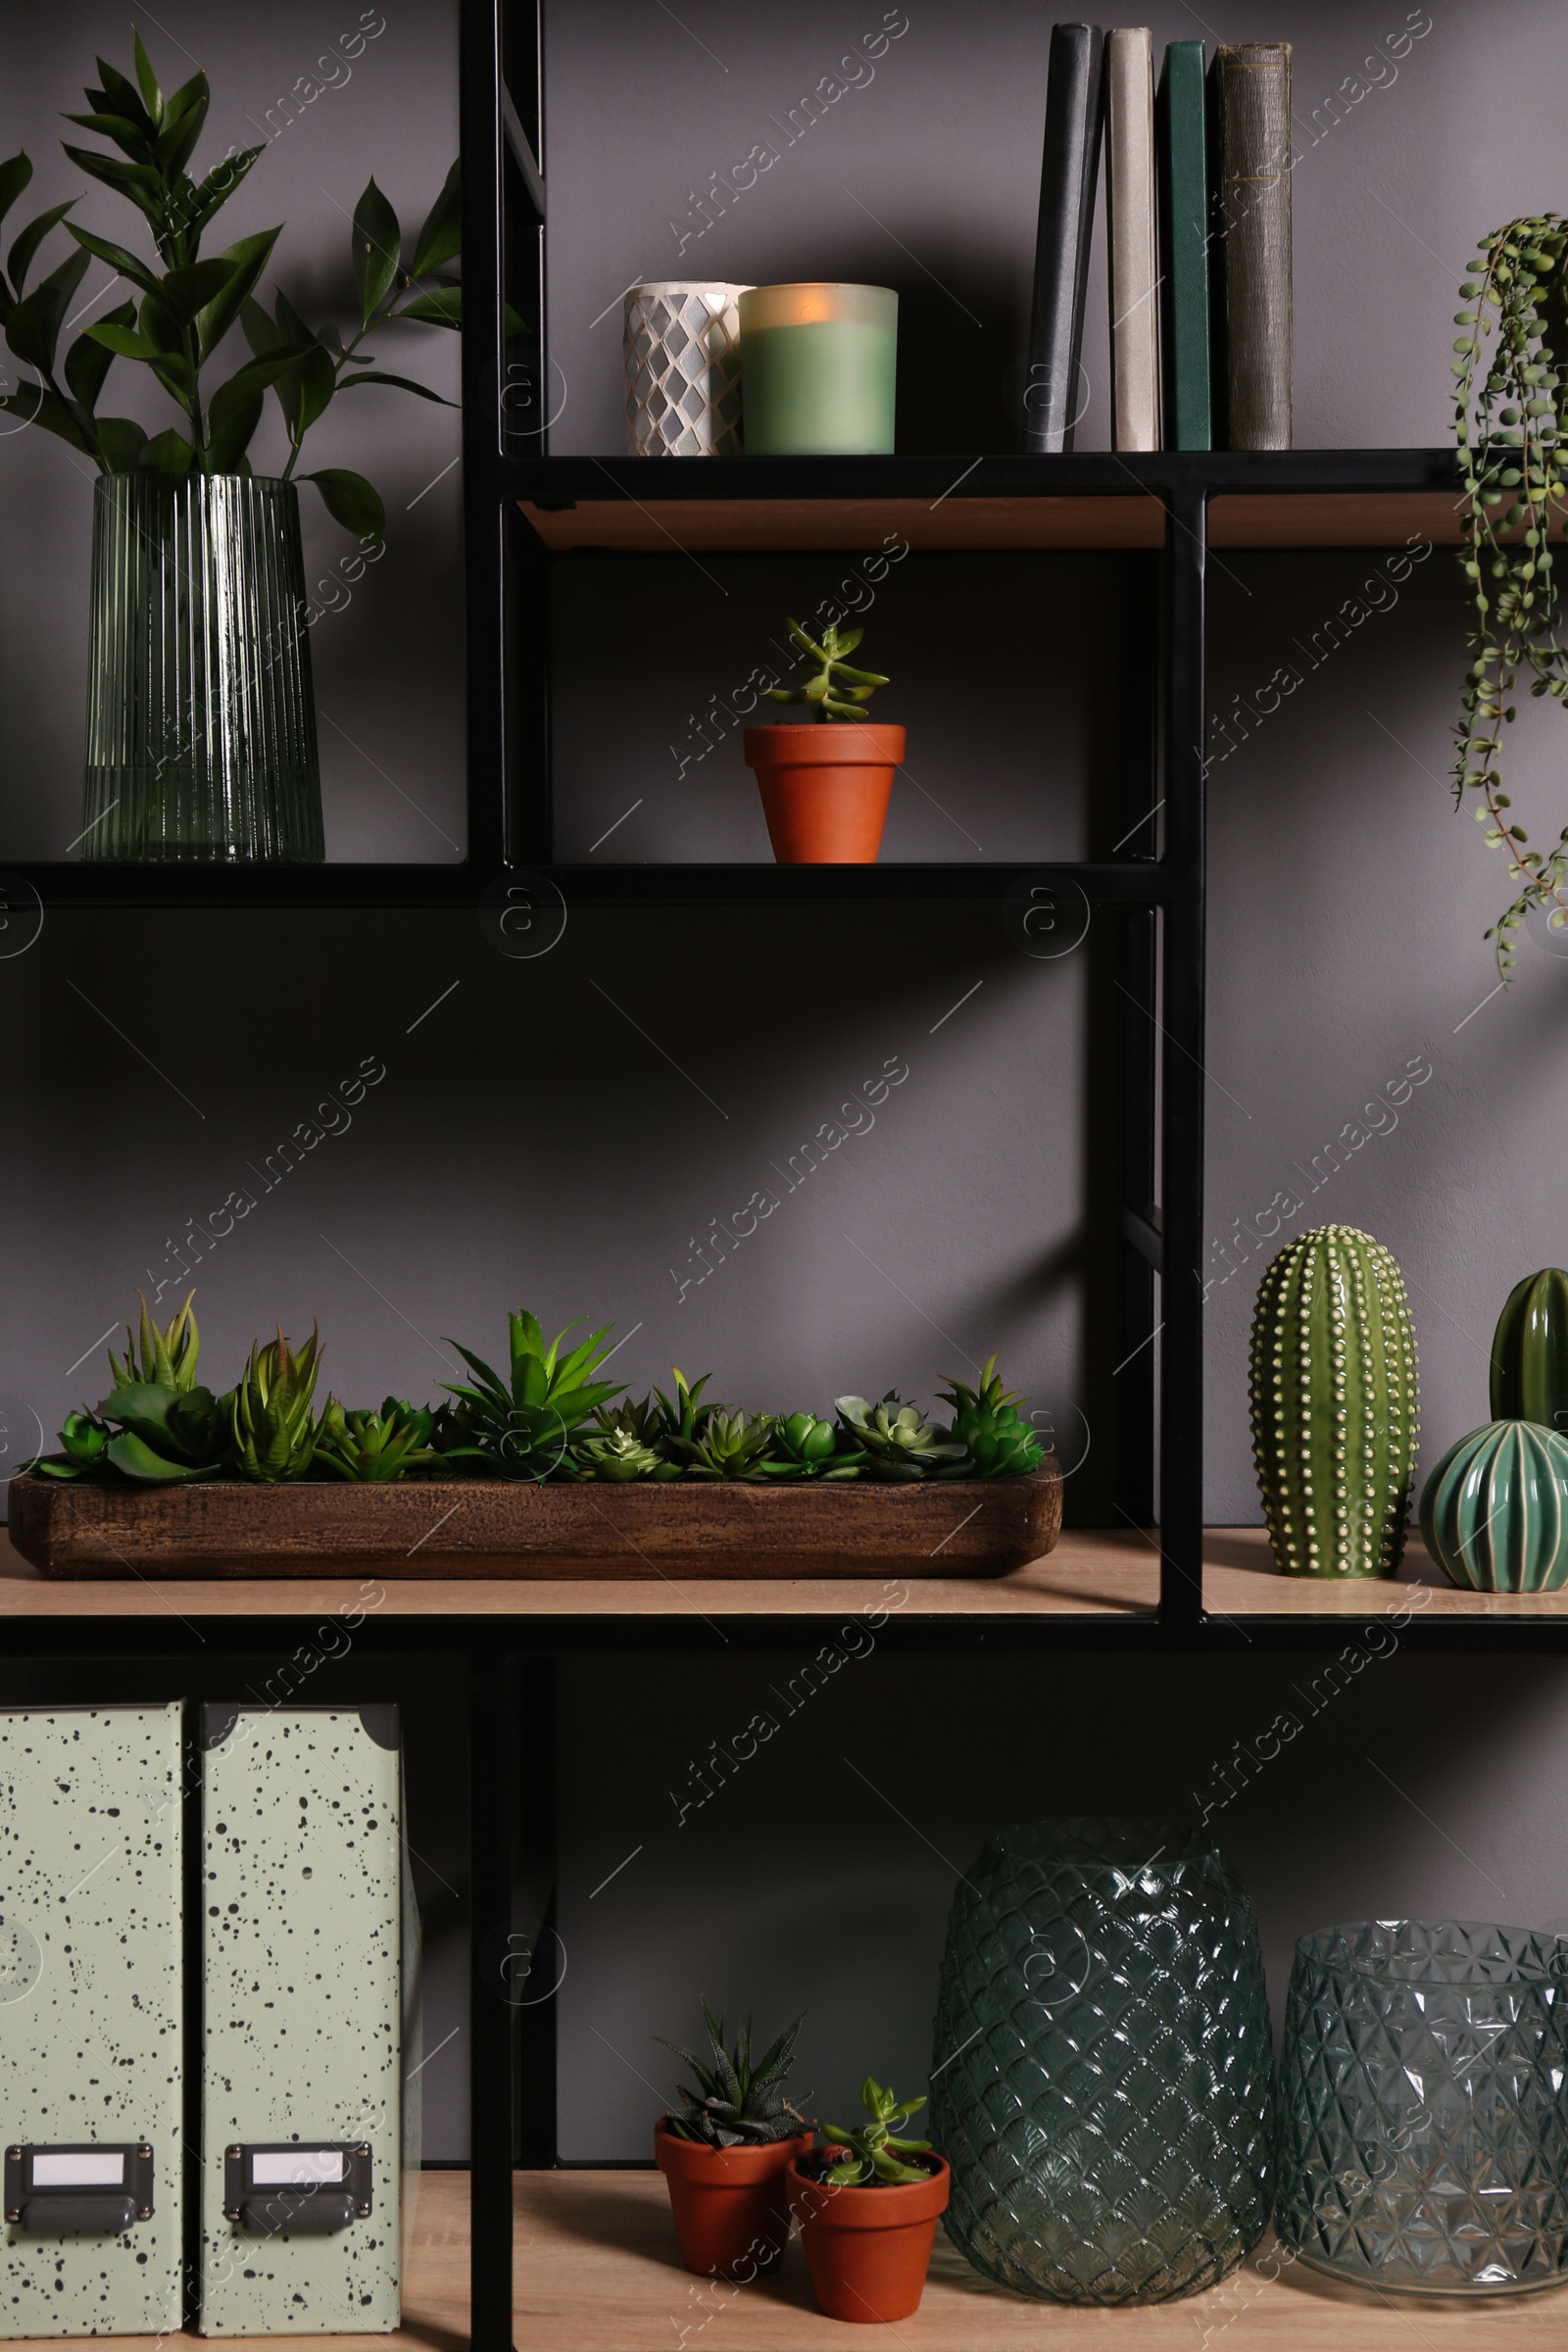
x=1511 y=420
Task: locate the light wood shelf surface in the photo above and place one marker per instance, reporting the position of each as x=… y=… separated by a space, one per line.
x=1094 y=1572
x=597 y=2270
x=990 y=525
x=435 y=2297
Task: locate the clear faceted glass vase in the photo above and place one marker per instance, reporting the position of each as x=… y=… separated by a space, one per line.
x=1423 y=2116
x=201 y=714
x=1102 y=2078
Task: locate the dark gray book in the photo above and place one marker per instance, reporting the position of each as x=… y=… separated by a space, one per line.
x=1250 y=278
x=1068 y=170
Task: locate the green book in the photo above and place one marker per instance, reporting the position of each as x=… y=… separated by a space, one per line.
x=1181 y=139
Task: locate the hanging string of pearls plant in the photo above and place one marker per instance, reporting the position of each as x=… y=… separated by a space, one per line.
x=1511 y=417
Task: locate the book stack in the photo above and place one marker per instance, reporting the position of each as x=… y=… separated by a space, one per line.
x=1197 y=190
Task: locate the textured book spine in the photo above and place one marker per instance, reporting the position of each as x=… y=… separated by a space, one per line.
x=1133 y=265
x=1181 y=133
x=1068 y=170
x=1250 y=121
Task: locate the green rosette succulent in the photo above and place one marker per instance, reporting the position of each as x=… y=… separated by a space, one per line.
x=626 y=1444
x=996 y=1442
x=896 y=1439
x=730 y=1446
x=84 y=1449
x=273 y=1431
x=525 y=1426
x=369 y=1447
x=805 y=1448
x=740 y=2100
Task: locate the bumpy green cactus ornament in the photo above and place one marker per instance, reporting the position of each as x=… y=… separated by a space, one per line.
x=1334 y=1404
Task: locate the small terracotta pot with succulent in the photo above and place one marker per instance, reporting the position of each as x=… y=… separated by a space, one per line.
x=869 y=2215
x=825 y=785
x=726 y=2155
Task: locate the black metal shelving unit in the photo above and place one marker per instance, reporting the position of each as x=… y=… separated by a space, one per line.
x=527 y=511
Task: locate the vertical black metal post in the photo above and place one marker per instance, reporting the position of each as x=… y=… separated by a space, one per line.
x=1181 y=1342
x=535 y=1907
x=492 y=2016
x=1138 y=835
x=480 y=69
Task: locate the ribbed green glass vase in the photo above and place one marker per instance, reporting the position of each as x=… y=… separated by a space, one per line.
x=1495 y=1511
x=201 y=714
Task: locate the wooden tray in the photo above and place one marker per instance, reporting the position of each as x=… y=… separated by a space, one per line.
x=478 y=1527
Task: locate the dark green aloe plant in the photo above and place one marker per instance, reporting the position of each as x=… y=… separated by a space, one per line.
x=832 y=690
x=183 y=304
x=739 y=2101
x=369 y=1447
x=158 y=1426
x=522 y=1426
x=1511 y=368
x=273 y=1431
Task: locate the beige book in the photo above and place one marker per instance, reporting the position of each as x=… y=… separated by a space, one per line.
x=1134 y=248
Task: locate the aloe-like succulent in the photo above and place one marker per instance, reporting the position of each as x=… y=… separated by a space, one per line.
x=271 y=1428
x=372 y=1446
x=876 y=2156
x=996 y=1441
x=730 y=1446
x=683 y=1416
x=626 y=1442
x=167 y=1358
x=805 y=1448
x=740 y=2099
x=523 y=1426
x=896 y=1440
x=833 y=690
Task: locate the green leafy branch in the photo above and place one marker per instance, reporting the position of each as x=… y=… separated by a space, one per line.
x=1510 y=426
x=187 y=306
x=833 y=690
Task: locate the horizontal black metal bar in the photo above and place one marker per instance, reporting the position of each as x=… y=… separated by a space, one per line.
x=606 y=1634
x=1091 y=474
x=68 y=886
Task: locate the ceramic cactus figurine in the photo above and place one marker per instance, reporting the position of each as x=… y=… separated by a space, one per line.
x=1494 y=1511
x=1334 y=1404
x=1530 y=1352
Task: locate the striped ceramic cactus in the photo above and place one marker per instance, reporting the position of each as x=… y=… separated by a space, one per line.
x=1494 y=1511
x=1530 y=1352
x=1334 y=1404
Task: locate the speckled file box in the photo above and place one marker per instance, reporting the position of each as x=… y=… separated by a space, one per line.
x=307 y=1966
x=92 y=2020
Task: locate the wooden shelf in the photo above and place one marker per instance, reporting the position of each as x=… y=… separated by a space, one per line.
x=1094 y=1572
x=597 y=2270
x=435 y=2295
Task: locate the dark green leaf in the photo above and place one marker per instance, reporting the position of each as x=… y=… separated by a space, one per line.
x=118 y=95
x=403 y=383
x=212 y=193
x=184 y=118
x=259 y=331
x=129 y=137
x=184 y=292
x=14 y=173
x=317 y=383
x=233 y=415
x=349 y=500
x=168 y=454
x=38 y=406
x=116 y=256
x=377 y=243
x=152 y=95
x=122 y=441
x=443 y=307
x=33 y=327
x=290 y=387
x=176 y=375
x=140 y=181
x=441 y=238
x=90 y=360
x=123 y=341
x=247 y=259
x=19 y=261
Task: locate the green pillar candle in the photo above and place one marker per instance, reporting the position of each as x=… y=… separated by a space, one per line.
x=818 y=371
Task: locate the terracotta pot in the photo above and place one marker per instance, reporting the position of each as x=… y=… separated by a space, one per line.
x=825 y=788
x=731 y=2205
x=869 y=2248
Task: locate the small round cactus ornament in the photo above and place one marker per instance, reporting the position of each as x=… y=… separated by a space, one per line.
x=1334 y=1404
x=1494 y=1511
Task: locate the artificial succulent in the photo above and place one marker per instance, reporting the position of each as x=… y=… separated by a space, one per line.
x=896 y=1440
x=740 y=2099
x=996 y=1442
x=372 y=1446
x=803 y=1447
x=167 y=1358
x=523 y=1426
x=729 y=1446
x=625 y=1443
x=273 y=1431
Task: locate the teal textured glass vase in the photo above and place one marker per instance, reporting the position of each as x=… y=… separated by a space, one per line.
x=1423 y=2127
x=1102 y=2078
x=201 y=715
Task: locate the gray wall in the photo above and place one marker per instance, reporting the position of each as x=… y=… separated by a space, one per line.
x=527 y=1141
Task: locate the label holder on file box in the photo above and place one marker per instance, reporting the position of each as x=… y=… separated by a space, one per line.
x=311 y=2187
x=88 y=2187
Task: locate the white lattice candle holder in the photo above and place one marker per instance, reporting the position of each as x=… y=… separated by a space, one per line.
x=684 y=371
